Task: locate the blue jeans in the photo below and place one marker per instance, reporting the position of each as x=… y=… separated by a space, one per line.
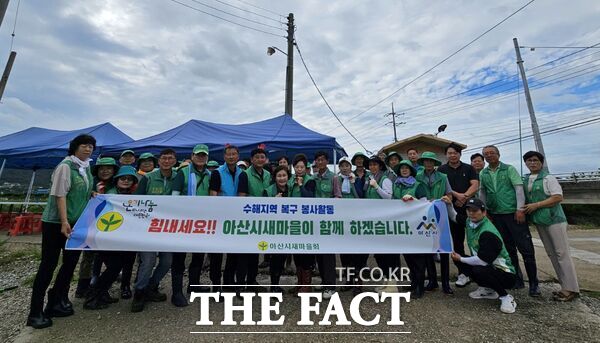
x=145 y=275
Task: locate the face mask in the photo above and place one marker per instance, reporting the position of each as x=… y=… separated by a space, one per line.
x=473 y=225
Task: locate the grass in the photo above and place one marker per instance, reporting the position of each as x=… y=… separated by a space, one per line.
x=7 y=256
x=587 y=216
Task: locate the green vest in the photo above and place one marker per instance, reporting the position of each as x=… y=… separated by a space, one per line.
x=256 y=184
x=324 y=185
x=352 y=194
x=293 y=187
x=400 y=190
x=500 y=198
x=372 y=192
x=437 y=189
x=159 y=185
x=501 y=262
x=272 y=191
x=202 y=180
x=77 y=197
x=546 y=215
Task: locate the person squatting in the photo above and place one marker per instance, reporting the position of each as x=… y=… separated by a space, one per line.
x=489 y=209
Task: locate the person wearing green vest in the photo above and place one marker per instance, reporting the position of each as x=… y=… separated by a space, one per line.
x=326 y=186
x=125 y=182
x=489 y=265
x=157 y=182
x=70 y=190
x=360 y=161
x=346 y=179
x=191 y=180
x=437 y=186
x=407 y=188
x=253 y=182
x=146 y=163
x=543 y=196
x=501 y=189
x=391 y=160
x=103 y=171
x=127 y=158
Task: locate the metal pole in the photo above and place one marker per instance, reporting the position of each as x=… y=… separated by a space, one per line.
x=3 y=7
x=394 y=123
x=289 y=70
x=29 y=190
x=2 y=168
x=534 y=126
x=334 y=161
x=6 y=74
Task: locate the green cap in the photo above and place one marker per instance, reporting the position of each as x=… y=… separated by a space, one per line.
x=359 y=154
x=392 y=153
x=104 y=161
x=127 y=171
x=201 y=148
x=212 y=164
x=127 y=152
x=413 y=171
x=147 y=156
x=428 y=155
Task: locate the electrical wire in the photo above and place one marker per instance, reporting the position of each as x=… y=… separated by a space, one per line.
x=12 y=39
x=248 y=11
x=234 y=15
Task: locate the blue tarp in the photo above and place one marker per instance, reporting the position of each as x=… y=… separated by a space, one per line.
x=38 y=148
x=282 y=136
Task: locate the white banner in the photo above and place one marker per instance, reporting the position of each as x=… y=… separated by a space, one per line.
x=261 y=225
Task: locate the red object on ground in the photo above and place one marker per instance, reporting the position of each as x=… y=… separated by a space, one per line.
x=23 y=225
x=6 y=220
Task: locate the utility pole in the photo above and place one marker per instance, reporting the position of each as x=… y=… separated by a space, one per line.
x=534 y=125
x=289 y=70
x=393 y=122
x=3 y=7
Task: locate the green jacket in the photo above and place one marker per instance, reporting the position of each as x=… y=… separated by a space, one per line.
x=352 y=194
x=546 y=215
x=435 y=190
x=501 y=198
x=324 y=185
x=272 y=191
x=417 y=190
x=256 y=184
x=372 y=192
x=293 y=187
x=202 y=180
x=501 y=262
x=77 y=197
x=159 y=185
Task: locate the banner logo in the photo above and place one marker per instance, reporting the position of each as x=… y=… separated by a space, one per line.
x=109 y=221
x=262 y=245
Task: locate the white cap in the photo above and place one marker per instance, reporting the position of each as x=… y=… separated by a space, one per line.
x=344 y=159
x=241 y=163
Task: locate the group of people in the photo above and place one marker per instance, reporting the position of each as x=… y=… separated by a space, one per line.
x=489 y=208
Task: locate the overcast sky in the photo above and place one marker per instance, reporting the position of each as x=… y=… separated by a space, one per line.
x=147 y=66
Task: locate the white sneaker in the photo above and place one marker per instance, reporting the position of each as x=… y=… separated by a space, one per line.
x=484 y=293
x=328 y=293
x=508 y=304
x=462 y=280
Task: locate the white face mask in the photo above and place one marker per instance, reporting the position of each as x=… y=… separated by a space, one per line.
x=473 y=225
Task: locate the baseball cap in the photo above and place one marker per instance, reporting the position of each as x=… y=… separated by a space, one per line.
x=200 y=148
x=476 y=203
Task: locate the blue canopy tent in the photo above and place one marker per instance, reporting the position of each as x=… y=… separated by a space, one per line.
x=37 y=148
x=282 y=135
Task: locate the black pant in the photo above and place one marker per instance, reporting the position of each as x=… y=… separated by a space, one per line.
x=457 y=230
x=304 y=261
x=216 y=263
x=276 y=267
x=326 y=264
x=194 y=269
x=246 y=269
x=490 y=277
x=113 y=260
x=53 y=242
x=128 y=262
x=417 y=264
x=517 y=236
x=387 y=263
x=444 y=266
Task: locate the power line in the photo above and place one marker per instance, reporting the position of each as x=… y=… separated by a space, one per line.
x=235 y=15
x=260 y=8
x=12 y=39
x=442 y=61
x=325 y=100
x=248 y=11
x=227 y=20
x=558 y=47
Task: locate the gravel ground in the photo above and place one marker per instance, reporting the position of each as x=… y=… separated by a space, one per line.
x=436 y=318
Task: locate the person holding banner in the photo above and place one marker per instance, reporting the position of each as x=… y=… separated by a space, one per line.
x=407 y=188
x=70 y=191
x=89 y=268
x=327 y=186
x=490 y=265
x=224 y=181
x=99 y=297
x=302 y=185
x=253 y=182
x=280 y=188
x=437 y=186
x=191 y=180
x=157 y=182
